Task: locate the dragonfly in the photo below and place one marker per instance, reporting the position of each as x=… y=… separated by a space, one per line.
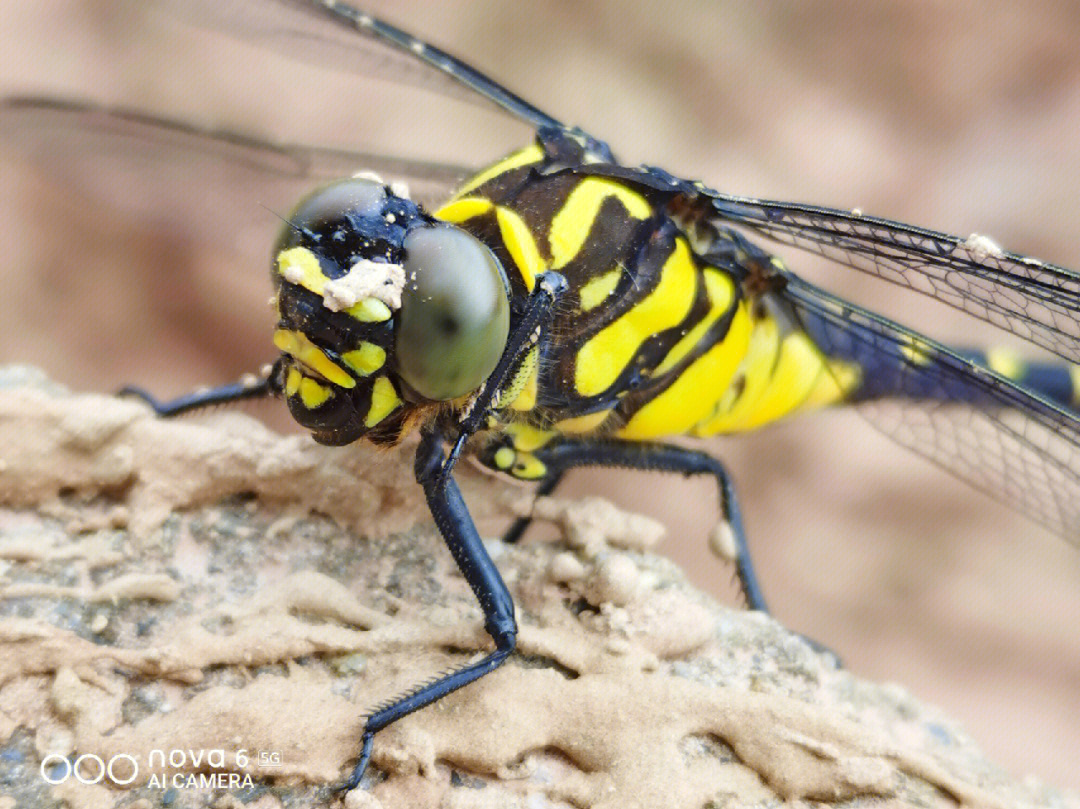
x=561 y=309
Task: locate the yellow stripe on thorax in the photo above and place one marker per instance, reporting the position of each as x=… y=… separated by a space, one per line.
x=694 y=394
x=571 y=225
x=462 y=210
x=526 y=437
x=520 y=244
x=576 y=425
x=523 y=157
x=601 y=360
x=514 y=232
x=797 y=370
x=596 y=290
x=721 y=291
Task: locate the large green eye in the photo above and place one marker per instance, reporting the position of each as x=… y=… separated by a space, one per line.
x=455 y=314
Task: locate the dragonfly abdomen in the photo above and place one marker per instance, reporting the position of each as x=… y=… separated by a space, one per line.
x=1057 y=382
x=879 y=359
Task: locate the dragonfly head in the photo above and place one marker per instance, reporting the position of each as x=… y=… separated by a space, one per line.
x=383 y=312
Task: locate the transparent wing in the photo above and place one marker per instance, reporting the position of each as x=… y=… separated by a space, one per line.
x=1036 y=301
x=158 y=234
x=339 y=37
x=139 y=161
x=990 y=432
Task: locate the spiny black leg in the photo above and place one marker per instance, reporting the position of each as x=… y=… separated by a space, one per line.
x=433 y=469
x=454 y=523
x=565 y=454
x=253 y=388
x=544 y=488
x=527 y=333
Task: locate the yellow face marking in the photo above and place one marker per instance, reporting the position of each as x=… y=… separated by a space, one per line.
x=365 y=360
x=523 y=157
x=721 y=291
x=582 y=424
x=312 y=394
x=1005 y=361
x=369 y=310
x=463 y=209
x=570 y=226
x=299 y=266
x=692 y=397
x=298 y=346
x=384 y=401
x=596 y=290
x=526 y=438
x=602 y=359
x=520 y=244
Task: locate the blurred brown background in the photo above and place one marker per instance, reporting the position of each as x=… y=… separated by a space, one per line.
x=959 y=116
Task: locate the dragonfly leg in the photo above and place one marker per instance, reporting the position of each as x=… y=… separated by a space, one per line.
x=459 y=532
x=544 y=488
x=433 y=472
x=567 y=453
x=257 y=387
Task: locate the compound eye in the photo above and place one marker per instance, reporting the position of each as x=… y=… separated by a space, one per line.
x=455 y=313
x=325 y=208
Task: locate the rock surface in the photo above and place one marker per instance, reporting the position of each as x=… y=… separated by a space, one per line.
x=223 y=604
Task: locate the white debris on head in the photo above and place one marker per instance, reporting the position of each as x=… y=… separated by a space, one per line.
x=365 y=279
x=400 y=189
x=981 y=247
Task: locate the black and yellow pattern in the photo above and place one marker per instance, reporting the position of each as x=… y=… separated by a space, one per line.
x=651 y=340
x=561 y=310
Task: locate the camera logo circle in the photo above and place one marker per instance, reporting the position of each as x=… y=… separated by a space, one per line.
x=89 y=769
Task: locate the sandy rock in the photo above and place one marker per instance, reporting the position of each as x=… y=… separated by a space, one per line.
x=220 y=606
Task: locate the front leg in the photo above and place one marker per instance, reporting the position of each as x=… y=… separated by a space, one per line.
x=459 y=532
x=252 y=387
